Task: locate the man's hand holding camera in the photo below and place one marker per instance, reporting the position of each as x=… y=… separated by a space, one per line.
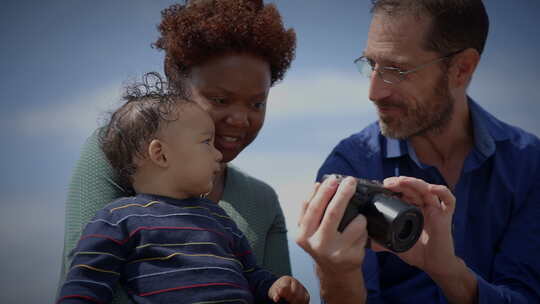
x=434 y=251
x=339 y=256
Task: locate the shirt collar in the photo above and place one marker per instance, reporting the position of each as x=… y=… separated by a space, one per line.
x=487 y=130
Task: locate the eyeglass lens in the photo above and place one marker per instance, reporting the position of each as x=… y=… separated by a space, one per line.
x=388 y=75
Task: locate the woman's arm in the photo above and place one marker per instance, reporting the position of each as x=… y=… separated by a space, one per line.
x=255 y=208
x=276 y=256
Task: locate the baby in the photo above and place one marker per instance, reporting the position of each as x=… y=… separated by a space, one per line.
x=167 y=243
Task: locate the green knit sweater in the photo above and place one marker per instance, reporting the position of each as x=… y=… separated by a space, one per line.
x=252 y=204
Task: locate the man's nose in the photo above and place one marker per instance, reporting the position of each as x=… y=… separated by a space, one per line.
x=378 y=88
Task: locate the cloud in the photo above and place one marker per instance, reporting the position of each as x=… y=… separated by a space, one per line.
x=511 y=98
x=74 y=117
x=31 y=231
x=329 y=94
x=290 y=174
x=326 y=93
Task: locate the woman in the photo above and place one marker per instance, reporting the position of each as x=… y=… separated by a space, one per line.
x=227 y=54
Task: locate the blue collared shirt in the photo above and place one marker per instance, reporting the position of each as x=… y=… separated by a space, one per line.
x=496 y=224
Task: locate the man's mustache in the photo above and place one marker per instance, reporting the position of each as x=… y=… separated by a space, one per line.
x=388 y=103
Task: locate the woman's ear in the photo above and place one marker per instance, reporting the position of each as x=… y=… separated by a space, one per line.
x=463 y=66
x=156 y=153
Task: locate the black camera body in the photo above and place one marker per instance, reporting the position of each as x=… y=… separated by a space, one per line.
x=391 y=222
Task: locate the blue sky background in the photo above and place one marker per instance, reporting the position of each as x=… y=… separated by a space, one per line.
x=63 y=64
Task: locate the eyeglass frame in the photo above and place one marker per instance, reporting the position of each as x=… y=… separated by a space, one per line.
x=401 y=74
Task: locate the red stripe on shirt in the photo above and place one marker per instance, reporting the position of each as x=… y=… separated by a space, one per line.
x=79 y=297
x=241 y=254
x=187 y=287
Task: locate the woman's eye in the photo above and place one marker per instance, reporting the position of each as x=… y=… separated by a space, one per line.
x=259 y=105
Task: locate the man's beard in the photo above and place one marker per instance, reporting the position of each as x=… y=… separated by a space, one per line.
x=431 y=115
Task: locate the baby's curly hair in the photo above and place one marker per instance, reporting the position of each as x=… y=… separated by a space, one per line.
x=125 y=137
x=201 y=29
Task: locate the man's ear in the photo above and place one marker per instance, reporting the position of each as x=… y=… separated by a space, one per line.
x=463 y=66
x=156 y=153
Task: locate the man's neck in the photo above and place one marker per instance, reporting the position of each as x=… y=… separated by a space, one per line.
x=447 y=149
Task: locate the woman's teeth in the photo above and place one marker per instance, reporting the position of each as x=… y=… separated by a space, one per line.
x=230 y=139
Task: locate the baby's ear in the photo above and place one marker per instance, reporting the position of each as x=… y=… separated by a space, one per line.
x=156 y=153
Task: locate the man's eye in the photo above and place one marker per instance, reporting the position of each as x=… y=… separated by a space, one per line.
x=392 y=69
x=371 y=63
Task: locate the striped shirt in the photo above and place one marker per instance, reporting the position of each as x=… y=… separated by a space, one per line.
x=164 y=250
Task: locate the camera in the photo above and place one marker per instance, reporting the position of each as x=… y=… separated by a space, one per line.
x=391 y=222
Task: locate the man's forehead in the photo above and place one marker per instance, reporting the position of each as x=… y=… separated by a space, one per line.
x=395 y=38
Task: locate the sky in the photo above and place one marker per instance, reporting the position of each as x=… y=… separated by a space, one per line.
x=64 y=62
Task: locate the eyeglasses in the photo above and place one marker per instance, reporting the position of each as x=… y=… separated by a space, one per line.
x=392 y=75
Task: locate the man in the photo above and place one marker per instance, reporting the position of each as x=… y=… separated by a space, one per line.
x=475 y=178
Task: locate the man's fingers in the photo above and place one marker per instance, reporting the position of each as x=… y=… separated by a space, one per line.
x=311 y=219
x=447 y=199
x=408 y=188
x=356 y=231
x=336 y=208
x=302 y=212
x=306 y=203
x=429 y=194
x=414 y=191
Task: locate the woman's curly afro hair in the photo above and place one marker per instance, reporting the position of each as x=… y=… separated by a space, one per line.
x=194 y=32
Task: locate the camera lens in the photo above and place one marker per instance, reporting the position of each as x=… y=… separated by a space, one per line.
x=390 y=222
x=406 y=230
x=399 y=226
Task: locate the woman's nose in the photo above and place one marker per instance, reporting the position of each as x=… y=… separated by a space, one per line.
x=238 y=118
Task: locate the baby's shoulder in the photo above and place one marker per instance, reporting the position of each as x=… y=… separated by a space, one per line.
x=125 y=205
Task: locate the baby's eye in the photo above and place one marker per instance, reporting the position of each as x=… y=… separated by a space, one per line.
x=207 y=141
x=218 y=100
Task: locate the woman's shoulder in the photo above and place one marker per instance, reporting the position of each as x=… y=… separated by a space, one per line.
x=238 y=179
x=247 y=192
x=91 y=150
x=251 y=203
x=93 y=182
